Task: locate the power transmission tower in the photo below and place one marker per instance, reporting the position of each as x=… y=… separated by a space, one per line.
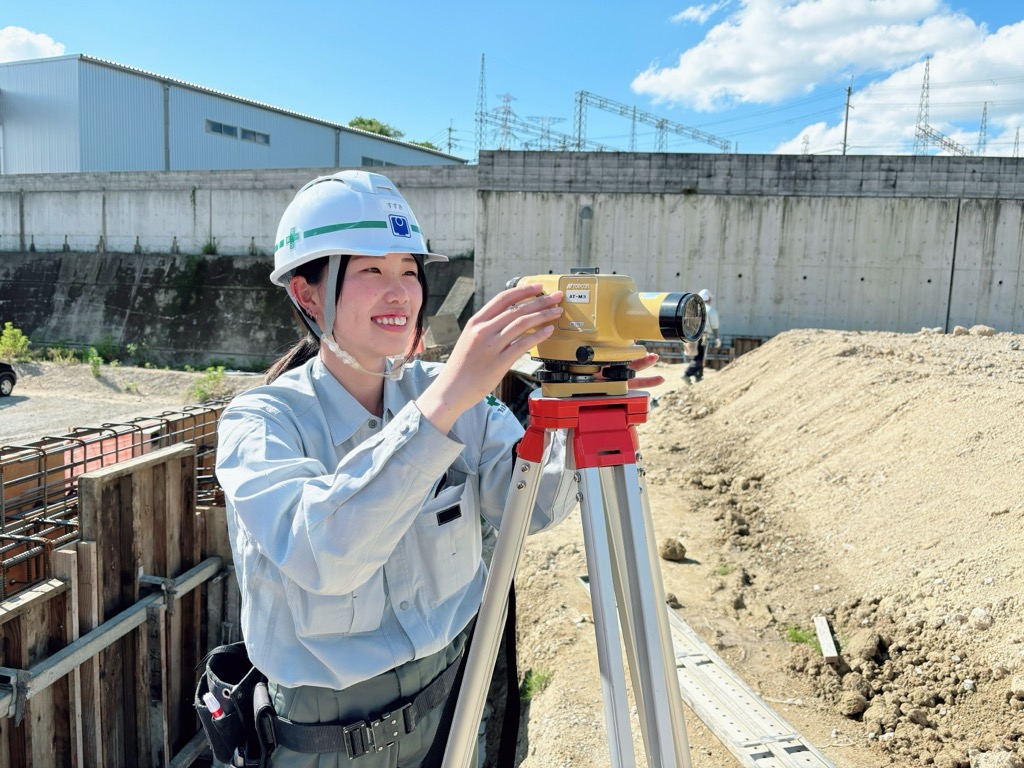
x=531 y=135
x=507 y=118
x=1016 y=143
x=924 y=133
x=920 y=137
x=661 y=125
x=481 y=109
x=545 y=129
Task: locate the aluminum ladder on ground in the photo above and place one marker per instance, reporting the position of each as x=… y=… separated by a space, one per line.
x=755 y=734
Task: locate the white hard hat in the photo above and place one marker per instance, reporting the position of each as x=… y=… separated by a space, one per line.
x=705 y=294
x=351 y=212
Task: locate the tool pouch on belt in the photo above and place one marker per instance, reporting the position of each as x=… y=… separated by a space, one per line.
x=230 y=676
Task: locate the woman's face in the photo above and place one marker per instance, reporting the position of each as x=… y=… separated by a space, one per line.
x=377 y=309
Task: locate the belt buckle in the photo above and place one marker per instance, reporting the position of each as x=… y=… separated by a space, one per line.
x=388 y=728
x=358 y=739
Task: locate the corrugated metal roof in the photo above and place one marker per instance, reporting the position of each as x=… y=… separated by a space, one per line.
x=262 y=105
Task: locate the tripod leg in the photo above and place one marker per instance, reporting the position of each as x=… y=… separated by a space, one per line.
x=641 y=595
x=602 y=597
x=483 y=650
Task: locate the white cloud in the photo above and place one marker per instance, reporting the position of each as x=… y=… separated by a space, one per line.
x=17 y=43
x=698 y=14
x=771 y=50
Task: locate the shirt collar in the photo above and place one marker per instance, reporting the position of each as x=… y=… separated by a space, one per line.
x=346 y=415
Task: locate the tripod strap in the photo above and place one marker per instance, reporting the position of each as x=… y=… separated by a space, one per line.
x=510 y=723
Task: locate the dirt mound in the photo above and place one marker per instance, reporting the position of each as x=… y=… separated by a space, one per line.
x=872 y=478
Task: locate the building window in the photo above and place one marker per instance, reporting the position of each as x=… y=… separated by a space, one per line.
x=255 y=136
x=369 y=162
x=213 y=126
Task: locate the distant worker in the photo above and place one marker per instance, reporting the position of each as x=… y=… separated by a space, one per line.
x=695 y=370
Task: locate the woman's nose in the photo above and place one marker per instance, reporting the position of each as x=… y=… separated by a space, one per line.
x=396 y=290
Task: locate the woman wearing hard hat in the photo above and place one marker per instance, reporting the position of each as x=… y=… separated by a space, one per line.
x=355 y=481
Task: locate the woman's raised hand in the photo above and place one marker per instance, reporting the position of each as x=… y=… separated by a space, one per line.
x=494 y=338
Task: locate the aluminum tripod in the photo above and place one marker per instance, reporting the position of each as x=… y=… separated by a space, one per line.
x=602 y=448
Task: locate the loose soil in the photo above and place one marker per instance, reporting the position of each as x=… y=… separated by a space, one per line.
x=876 y=479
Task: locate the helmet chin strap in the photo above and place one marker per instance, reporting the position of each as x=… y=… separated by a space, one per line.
x=327 y=337
x=397 y=361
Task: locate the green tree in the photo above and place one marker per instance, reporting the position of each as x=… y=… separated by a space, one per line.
x=427 y=144
x=375 y=126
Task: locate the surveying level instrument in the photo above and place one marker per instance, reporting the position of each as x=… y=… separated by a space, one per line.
x=602 y=451
x=602 y=318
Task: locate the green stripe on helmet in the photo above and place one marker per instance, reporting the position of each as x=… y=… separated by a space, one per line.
x=374 y=224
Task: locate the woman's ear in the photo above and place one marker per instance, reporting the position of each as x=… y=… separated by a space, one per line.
x=307 y=296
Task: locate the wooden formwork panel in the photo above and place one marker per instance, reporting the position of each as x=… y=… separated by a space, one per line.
x=34 y=625
x=140 y=514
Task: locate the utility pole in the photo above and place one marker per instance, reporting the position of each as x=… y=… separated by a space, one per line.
x=846 y=122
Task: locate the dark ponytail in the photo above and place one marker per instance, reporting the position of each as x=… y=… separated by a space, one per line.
x=308 y=347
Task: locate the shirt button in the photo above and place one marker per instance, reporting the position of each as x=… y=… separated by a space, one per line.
x=404 y=605
x=373 y=423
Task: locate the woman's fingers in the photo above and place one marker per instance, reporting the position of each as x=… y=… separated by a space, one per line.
x=518 y=297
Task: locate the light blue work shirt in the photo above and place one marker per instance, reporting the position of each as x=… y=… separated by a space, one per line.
x=357 y=539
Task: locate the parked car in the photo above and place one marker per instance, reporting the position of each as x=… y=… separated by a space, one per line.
x=8 y=378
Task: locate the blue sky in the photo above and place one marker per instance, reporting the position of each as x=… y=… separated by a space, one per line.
x=763 y=76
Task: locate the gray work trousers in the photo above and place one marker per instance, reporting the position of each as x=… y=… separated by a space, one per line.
x=423 y=748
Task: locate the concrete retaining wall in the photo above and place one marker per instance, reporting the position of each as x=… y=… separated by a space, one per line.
x=879 y=243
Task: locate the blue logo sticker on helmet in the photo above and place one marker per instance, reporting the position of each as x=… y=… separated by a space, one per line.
x=400 y=226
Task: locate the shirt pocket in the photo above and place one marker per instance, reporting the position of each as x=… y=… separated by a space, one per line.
x=316 y=615
x=448 y=537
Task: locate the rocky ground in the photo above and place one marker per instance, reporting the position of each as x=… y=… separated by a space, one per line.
x=876 y=479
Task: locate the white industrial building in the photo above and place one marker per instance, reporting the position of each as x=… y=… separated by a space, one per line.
x=76 y=113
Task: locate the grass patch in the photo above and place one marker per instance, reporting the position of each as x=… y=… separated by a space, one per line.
x=212 y=385
x=803 y=636
x=724 y=569
x=534 y=681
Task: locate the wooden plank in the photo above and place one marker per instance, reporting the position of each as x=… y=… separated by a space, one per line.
x=825 y=640
x=27 y=601
x=107 y=475
x=232 y=631
x=89 y=619
x=65 y=567
x=215 y=533
x=14 y=653
x=55 y=741
x=175 y=520
x=156 y=680
x=189 y=608
x=149 y=544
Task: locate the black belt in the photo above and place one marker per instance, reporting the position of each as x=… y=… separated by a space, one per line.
x=355 y=739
